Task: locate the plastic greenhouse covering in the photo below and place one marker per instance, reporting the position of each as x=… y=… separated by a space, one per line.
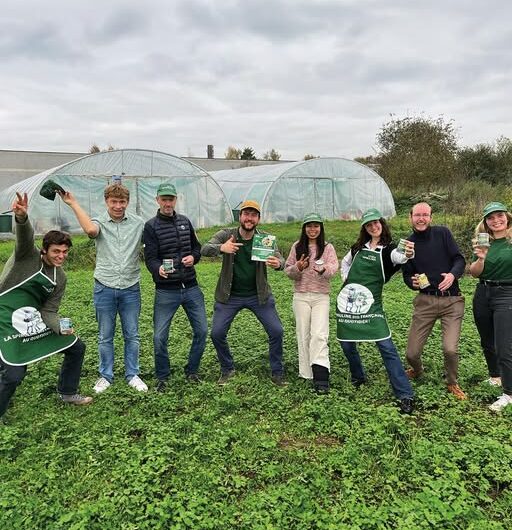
x=199 y=197
x=335 y=188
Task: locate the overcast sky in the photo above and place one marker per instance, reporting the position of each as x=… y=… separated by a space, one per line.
x=317 y=76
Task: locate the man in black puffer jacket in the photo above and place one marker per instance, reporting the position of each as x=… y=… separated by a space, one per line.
x=171 y=237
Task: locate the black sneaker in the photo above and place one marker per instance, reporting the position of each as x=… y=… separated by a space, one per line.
x=193 y=378
x=225 y=377
x=279 y=380
x=161 y=386
x=406 y=405
x=321 y=389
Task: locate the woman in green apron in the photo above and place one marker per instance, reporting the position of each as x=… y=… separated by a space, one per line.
x=31 y=286
x=369 y=264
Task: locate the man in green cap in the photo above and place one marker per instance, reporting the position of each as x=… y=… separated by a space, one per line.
x=171 y=250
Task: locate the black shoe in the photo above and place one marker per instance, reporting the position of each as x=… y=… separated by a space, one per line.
x=161 y=386
x=406 y=405
x=321 y=390
x=193 y=378
x=358 y=384
x=279 y=380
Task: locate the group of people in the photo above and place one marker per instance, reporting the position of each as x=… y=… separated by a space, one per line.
x=32 y=285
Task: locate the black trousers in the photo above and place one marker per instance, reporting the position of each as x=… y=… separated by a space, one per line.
x=69 y=378
x=492 y=310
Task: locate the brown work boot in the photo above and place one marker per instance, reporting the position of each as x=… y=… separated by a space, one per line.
x=457 y=391
x=412 y=374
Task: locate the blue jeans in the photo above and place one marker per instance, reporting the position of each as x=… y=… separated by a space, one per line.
x=396 y=373
x=108 y=303
x=167 y=302
x=223 y=316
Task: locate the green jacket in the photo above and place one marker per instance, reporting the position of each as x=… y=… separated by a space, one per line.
x=223 y=289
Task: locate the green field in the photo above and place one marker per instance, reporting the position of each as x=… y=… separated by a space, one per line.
x=251 y=455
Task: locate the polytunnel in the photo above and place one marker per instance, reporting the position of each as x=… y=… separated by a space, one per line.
x=199 y=197
x=336 y=188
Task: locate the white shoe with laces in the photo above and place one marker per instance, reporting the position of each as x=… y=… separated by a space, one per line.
x=101 y=385
x=137 y=383
x=501 y=403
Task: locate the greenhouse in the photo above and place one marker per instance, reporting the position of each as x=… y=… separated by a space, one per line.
x=199 y=197
x=336 y=188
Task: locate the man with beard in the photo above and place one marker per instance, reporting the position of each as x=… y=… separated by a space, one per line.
x=439 y=258
x=243 y=284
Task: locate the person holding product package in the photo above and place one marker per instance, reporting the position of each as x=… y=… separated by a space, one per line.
x=370 y=263
x=439 y=263
x=492 y=303
x=311 y=264
x=243 y=284
x=171 y=250
x=32 y=284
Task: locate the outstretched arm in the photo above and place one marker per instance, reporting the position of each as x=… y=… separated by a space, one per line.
x=90 y=228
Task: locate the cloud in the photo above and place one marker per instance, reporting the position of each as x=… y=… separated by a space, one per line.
x=300 y=76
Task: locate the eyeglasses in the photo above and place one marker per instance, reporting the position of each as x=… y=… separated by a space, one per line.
x=426 y=215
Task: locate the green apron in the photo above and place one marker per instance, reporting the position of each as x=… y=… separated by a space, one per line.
x=24 y=337
x=359 y=312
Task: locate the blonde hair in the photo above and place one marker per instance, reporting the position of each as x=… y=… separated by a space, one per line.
x=482 y=227
x=117 y=191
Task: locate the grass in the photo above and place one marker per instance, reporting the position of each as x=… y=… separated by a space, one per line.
x=251 y=455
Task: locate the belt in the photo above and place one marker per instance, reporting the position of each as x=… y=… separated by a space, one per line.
x=494 y=283
x=441 y=293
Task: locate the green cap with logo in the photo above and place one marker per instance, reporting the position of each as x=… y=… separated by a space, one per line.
x=494 y=207
x=166 y=188
x=312 y=218
x=370 y=215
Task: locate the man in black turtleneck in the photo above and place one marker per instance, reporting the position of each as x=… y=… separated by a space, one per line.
x=170 y=236
x=439 y=258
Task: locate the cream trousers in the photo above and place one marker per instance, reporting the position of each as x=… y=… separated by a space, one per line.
x=312 y=327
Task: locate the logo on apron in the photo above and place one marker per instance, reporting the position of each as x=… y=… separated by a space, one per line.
x=355 y=299
x=28 y=321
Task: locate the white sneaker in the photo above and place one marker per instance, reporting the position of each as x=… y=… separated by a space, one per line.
x=137 y=383
x=494 y=381
x=101 y=385
x=501 y=403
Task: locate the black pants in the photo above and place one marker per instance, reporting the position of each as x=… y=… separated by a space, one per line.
x=12 y=376
x=492 y=310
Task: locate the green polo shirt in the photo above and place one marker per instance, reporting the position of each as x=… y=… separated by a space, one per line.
x=244 y=270
x=117 y=250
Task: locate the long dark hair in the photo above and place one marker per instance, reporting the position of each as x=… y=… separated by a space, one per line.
x=364 y=237
x=303 y=243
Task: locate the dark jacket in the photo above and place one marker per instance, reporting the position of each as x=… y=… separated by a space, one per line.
x=171 y=237
x=223 y=290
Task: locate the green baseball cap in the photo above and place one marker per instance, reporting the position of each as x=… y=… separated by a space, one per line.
x=312 y=218
x=494 y=207
x=49 y=189
x=370 y=215
x=166 y=188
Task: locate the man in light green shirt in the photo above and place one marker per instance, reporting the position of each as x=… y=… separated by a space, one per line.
x=118 y=235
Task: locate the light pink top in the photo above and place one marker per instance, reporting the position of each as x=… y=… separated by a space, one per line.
x=308 y=280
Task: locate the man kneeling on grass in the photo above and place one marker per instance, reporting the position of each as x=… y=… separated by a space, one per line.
x=32 y=284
